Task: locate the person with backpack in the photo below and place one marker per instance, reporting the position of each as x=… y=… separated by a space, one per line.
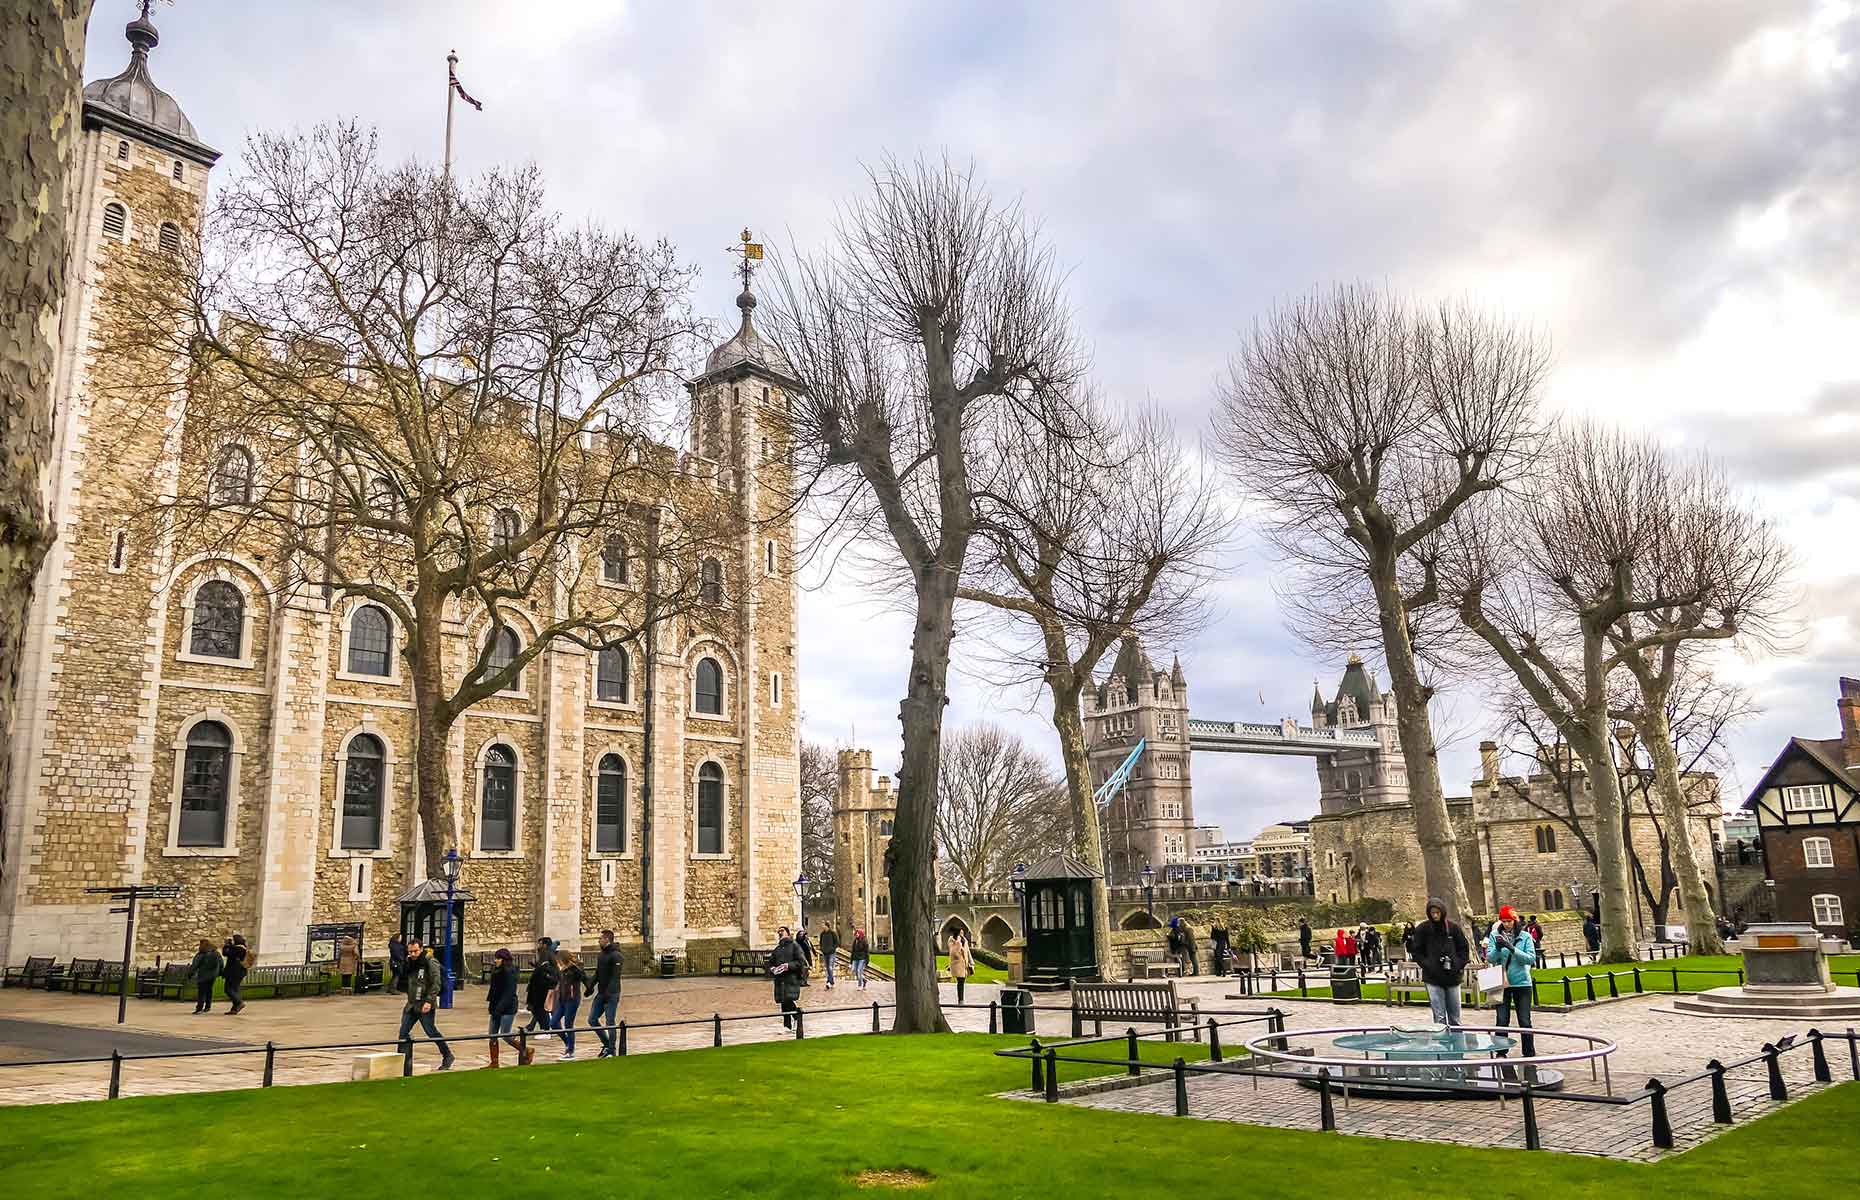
x=206 y=968
x=861 y=955
x=238 y=961
x=571 y=981
x=606 y=993
x=501 y=1000
x=424 y=984
x=829 y=949
x=1439 y=946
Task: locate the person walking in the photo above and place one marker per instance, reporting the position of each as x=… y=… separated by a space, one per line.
x=606 y=993
x=861 y=955
x=397 y=961
x=1222 y=943
x=1407 y=939
x=961 y=961
x=1304 y=938
x=806 y=945
x=501 y=1000
x=571 y=983
x=206 y=968
x=1344 y=947
x=348 y=961
x=423 y=987
x=1592 y=932
x=829 y=950
x=1439 y=946
x=786 y=965
x=1511 y=946
x=539 y=997
x=1536 y=931
x=238 y=962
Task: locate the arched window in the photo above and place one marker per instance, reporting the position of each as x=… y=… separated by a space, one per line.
x=612 y=675
x=219 y=620
x=1817 y=852
x=497 y=810
x=613 y=559
x=710 y=809
x=177 y=170
x=504 y=648
x=371 y=641
x=883 y=905
x=610 y=805
x=383 y=501
x=884 y=828
x=232 y=476
x=709 y=687
x=115 y=221
x=204 y=775
x=775 y=689
x=710 y=582
x=122 y=152
x=170 y=238
x=768 y=553
x=505 y=528
x=1546 y=839
x=362 y=780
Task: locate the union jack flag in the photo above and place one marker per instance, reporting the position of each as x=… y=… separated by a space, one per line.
x=452 y=77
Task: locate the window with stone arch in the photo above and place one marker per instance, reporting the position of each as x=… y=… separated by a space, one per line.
x=382 y=500
x=231 y=482
x=371 y=641
x=506 y=527
x=610 y=805
x=177 y=170
x=612 y=675
x=1546 y=839
x=497 y=799
x=122 y=152
x=505 y=646
x=1817 y=852
x=710 y=582
x=206 y=772
x=613 y=559
x=710 y=809
x=218 y=625
x=169 y=239
x=364 y=777
x=707 y=686
x=115 y=221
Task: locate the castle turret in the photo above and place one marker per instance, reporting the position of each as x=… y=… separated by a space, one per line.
x=1150 y=820
x=863 y=819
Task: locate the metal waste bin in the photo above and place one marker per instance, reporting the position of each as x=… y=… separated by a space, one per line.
x=1016 y=1010
x=668 y=965
x=1344 y=984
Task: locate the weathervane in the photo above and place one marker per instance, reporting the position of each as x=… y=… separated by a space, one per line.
x=751 y=252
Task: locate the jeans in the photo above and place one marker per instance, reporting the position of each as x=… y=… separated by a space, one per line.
x=203 y=996
x=830 y=959
x=563 y=1018
x=501 y=1024
x=235 y=991
x=608 y=1005
x=1445 y=1003
x=1518 y=998
x=960 y=980
x=425 y=1019
x=539 y=1016
x=859 y=971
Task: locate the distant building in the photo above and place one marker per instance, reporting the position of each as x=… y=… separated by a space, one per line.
x=862 y=823
x=1807 y=806
x=1149 y=822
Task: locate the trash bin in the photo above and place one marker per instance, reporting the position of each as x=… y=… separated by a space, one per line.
x=1016 y=1010
x=1344 y=984
x=668 y=965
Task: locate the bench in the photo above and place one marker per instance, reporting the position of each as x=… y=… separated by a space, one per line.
x=1404 y=983
x=523 y=960
x=308 y=979
x=33 y=974
x=61 y=979
x=743 y=961
x=1142 y=965
x=171 y=981
x=1127 y=1004
x=98 y=979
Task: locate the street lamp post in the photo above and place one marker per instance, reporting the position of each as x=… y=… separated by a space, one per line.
x=800 y=898
x=450 y=866
x=1149 y=891
x=1017 y=882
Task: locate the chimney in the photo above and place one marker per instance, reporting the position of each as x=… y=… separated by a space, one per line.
x=1488 y=764
x=1850 y=722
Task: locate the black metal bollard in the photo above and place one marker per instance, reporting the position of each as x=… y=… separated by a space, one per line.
x=993 y=1006
x=1529 y=1102
x=799 y=1025
x=875 y=1018
x=1194 y=1017
x=1720 y=1097
x=1130 y=1047
x=1302 y=990
x=1039 y=1084
x=716 y=1029
x=622 y=1051
x=1822 y=1074
x=1662 y=1127
x=523 y=1050
x=1214 y=1040
x=1327 y=1112
x=1052 y=1077
x=1181 y=1088
x=1772 y=1058
x=116 y=1073
x=1637 y=981
x=1613 y=992
x=1568 y=999
x=1853 y=1052
x=1590 y=981
x=406 y=1060
x=1675 y=981
x=271 y=1056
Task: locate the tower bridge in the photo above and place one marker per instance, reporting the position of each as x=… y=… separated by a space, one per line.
x=1287 y=737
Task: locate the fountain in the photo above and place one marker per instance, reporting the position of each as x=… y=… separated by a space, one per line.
x=1785 y=975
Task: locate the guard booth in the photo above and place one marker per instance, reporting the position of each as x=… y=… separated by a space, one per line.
x=1057 y=915
x=423 y=916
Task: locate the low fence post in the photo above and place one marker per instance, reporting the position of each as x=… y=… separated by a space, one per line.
x=1181 y=1088
x=1637 y=981
x=116 y=1073
x=622 y=1051
x=1589 y=981
x=1327 y=1112
x=1675 y=972
x=1853 y=1052
x=1529 y=1103
x=1214 y=1040
x=1568 y=999
x=1052 y=1077
x=1194 y=1016
x=1302 y=989
x=1130 y=1045
x=271 y=1056
x=1720 y=1098
x=716 y=1029
x=1039 y=1081
x=1822 y=1074
x=799 y=1025
x=1613 y=992
x=406 y=1058
x=1772 y=1058
x=991 y=1021
x=1662 y=1127
x=992 y=1007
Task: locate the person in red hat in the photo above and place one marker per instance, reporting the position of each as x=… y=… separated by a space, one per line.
x=1510 y=946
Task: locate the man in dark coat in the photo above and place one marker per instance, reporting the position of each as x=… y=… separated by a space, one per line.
x=1441 y=950
x=541 y=994
x=423 y=987
x=238 y=962
x=606 y=993
x=786 y=966
x=397 y=961
x=829 y=948
x=501 y=1000
x=1304 y=938
x=206 y=968
x=807 y=952
x=1592 y=931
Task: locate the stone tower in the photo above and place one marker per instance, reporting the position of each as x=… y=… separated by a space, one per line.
x=1354 y=779
x=1149 y=821
x=77 y=806
x=862 y=823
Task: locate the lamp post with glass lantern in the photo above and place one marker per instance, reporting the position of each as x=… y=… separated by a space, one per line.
x=1149 y=891
x=449 y=866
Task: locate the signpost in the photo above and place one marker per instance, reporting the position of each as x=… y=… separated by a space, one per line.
x=129 y=894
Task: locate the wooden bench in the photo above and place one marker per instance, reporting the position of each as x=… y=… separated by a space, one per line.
x=98 y=979
x=1404 y=982
x=171 y=981
x=60 y=980
x=523 y=960
x=743 y=961
x=1144 y=966
x=33 y=974
x=1126 y=1004
x=306 y=979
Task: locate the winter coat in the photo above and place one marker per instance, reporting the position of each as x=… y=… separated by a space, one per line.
x=788 y=981
x=423 y=981
x=542 y=981
x=397 y=951
x=1441 y=950
x=238 y=960
x=861 y=951
x=1304 y=938
x=207 y=965
x=807 y=947
x=961 y=961
x=570 y=984
x=607 y=972
x=829 y=942
x=1345 y=945
x=502 y=1000
x=1517 y=953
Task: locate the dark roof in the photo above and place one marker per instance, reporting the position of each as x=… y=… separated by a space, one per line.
x=131 y=103
x=1826 y=753
x=748 y=350
x=1061 y=866
x=1132 y=663
x=433 y=891
x=1354 y=684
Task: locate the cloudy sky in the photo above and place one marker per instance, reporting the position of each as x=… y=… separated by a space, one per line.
x=1672 y=191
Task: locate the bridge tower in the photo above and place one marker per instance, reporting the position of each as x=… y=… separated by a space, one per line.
x=1359 y=778
x=862 y=824
x=1150 y=820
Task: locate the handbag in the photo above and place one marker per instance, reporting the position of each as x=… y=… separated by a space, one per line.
x=1490 y=978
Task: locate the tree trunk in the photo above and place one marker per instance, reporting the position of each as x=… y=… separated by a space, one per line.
x=1619 y=908
x=1433 y=826
x=432 y=731
x=911 y=870
x=1701 y=921
x=1086 y=841
x=41 y=89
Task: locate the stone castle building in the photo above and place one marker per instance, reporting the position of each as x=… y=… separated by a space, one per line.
x=863 y=815
x=192 y=718
x=1150 y=820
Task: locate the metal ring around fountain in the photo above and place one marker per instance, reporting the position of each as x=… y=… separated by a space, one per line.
x=1487 y=1072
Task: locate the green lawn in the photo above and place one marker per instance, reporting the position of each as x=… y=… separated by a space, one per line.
x=801 y=1119
x=1656 y=976
x=983 y=972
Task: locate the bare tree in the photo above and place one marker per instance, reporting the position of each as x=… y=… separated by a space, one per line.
x=41 y=93
x=440 y=401
x=998 y=803
x=1363 y=427
x=1101 y=539
x=820 y=792
x=928 y=340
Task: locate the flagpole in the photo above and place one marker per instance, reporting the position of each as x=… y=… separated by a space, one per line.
x=452 y=62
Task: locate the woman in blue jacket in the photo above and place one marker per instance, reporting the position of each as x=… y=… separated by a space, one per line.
x=1509 y=945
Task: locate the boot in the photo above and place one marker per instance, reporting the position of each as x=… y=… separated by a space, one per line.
x=494 y=1049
